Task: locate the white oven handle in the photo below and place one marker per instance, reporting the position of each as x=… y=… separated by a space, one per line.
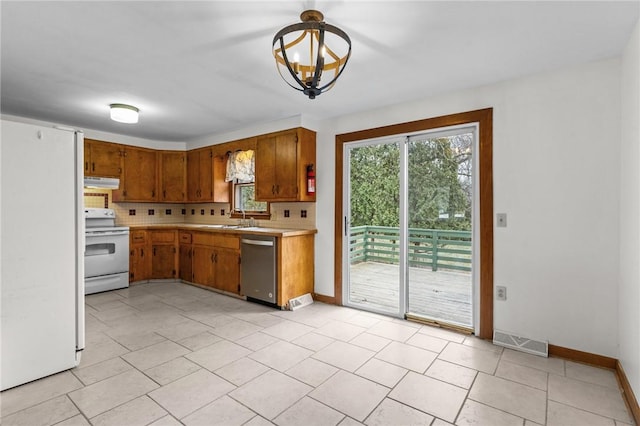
x=104 y=233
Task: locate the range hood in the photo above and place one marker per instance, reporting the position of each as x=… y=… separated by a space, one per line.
x=101 y=182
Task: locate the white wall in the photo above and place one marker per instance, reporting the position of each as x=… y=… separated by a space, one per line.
x=556 y=161
x=629 y=292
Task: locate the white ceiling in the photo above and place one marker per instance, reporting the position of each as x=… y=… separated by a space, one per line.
x=206 y=67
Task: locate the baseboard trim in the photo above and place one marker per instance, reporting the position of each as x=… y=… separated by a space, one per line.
x=331 y=300
x=604 y=362
x=627 y=393
x=584 y=357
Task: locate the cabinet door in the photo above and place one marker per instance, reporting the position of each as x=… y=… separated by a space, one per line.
x=286 y=166
x=206 y=175
x=102 y=158
x=139 y=265
x=221 y=189
x=276 y=167
x=173 y=179
x=193 y=175
x=203 y=265
x=140 y=176
x=265 y=183
x=186 y=266
x=163 y=262
x=227 y=264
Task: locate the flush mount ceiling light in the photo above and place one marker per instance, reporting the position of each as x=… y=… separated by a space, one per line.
x=124 y=113
x=306 y=50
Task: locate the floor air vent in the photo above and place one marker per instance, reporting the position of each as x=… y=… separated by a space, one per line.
x=535 y=347
x=300 y=302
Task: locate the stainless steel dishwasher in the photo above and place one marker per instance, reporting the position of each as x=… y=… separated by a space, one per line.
x=258 y=268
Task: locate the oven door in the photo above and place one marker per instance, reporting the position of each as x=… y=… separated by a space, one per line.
x=106 y=252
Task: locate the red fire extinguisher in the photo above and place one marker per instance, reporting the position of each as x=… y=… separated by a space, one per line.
x=311 y=180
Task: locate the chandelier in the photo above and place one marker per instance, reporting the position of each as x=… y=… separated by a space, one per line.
x=311 y=55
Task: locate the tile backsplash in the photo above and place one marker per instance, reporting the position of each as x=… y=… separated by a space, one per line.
x=300 y=215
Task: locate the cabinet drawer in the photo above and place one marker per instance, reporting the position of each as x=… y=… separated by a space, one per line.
x=138 y=237
x=185 y=238
x=226 y=241
x=163 y=236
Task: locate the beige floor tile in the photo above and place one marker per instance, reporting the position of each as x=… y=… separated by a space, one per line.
x=407 y=356
x=235 y=330
x=262 y=319
x=138 y=412
x=392 y=330
x=166 y=421
x=313 y=341
x=550 y=365
x=348 y=421
x=512 y=397
x=281 y=355
x=309 y=412
x=102 y=370
x=44 y=414
x=258 y=421
x=120 y=312
x=340 y=330
x=135 y=340
x=109 y=393
x=381 y=372
x=429 y=395
x=270 y=394
x=564 y=415
x=33 y=393
x=172 y=370
x=522 y=374
x=241 y=371
x=256 y=341
x=595 y=375
x=78 y=420
x=477 y=359
x=190 y=393
x=439 y=422
x=596 y=399
x=430 y=343
x=442 y=333
x=218 y=355
x=370 y=341
x=199 y=341
x=473 y=413
x=154 y=355
x=183 y=330
x=391 y=412
x=344 y=355
x=350 y=394
x=362 y=320
x=452 y=373
x=224 y=411
x=312 y=372
x=288 y=330
x=100 y=347
x=478 y=343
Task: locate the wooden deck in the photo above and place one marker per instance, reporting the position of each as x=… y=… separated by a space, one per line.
x=443 y=295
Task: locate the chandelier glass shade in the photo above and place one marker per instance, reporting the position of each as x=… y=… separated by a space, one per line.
x=311 y=55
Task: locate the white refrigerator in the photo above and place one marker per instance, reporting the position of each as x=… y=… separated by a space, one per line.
x=42 y=251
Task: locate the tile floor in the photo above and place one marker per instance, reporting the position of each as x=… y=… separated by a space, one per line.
x=171 y=354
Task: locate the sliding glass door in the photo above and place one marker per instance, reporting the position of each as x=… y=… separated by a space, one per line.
x=409 y=203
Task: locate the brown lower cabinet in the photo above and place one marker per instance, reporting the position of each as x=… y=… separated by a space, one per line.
x=213 y=260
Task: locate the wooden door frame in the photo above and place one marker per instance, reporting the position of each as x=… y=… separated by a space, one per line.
x=484 y=118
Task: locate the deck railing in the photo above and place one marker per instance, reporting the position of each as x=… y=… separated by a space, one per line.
x=428 y=248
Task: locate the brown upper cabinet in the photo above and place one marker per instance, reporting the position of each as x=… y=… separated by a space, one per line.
x=281 y=165
x=139 y=180
x=205 y=177
x=102 y=159
x=173 y=176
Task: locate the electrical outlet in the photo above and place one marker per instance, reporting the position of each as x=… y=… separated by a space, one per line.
x=501 y=292
x=501 y=220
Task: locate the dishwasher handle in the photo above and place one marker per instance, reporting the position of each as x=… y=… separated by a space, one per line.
x=257 y=242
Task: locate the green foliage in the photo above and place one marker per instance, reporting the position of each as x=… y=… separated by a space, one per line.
x=439 y=183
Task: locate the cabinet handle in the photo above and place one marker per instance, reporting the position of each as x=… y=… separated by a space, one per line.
x=119 y=170
x=154 y=251
x=212 y=259
x=216 y=257
x=153 y=193
x=273 y=189
x=141 y=252
x=164 y=193
x=277 y=189
x=93 y=167
x=86 y=165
